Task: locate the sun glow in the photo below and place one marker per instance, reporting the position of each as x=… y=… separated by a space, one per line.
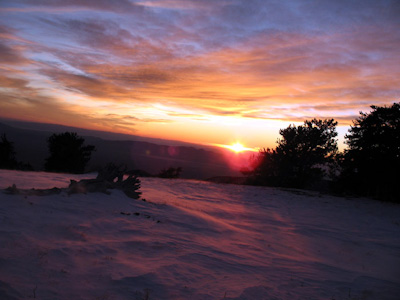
x=237 y=147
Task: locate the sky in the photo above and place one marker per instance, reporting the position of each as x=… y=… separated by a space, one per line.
x=205 y=72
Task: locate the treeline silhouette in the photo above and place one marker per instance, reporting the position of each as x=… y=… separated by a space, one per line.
x=67 y=154
x=307 y=157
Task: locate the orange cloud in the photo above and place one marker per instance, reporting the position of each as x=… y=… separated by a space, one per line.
x=196 y=70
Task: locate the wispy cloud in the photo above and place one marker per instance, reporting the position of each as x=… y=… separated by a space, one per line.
x=249 y=60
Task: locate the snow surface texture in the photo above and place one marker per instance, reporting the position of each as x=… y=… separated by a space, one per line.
x=194 y=240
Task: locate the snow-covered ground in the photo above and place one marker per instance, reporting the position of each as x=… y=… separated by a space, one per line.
x=194 y=240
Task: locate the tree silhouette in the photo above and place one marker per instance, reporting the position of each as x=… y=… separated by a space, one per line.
x=7 y=154
x=372 y=161
x=304 y=149
x=67 y=153
x=264 y=168
x=300 y=155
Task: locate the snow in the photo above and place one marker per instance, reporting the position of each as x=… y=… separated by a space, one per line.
x=194 y=240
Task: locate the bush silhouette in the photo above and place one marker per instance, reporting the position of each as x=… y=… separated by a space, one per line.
x=67 y=153
x=170 y=172
x=371 y=163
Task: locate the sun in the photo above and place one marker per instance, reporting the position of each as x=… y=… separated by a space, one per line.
x=237 y=147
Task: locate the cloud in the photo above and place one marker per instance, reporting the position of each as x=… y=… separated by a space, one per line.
x=115 y=43
x=20 y=101
x=132 y=75
x=11 y=55
x=96 y=34
x=208 y=5
x=88 y=85
x=14 y=83
x=17 y=99
x=119 y=6
x=268 y=69
x=253 y=59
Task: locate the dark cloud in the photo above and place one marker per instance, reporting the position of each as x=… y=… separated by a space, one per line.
x=97 y=34
x=144 y=76
x=129 y=120
x=5 y=30
x=108 y=37
x=90 y=86
x=10 y=55
x=14 y=83
x=111 y=82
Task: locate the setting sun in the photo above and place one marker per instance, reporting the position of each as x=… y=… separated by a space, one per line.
x=237 y=147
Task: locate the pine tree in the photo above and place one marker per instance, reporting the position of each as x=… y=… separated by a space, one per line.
x=67 y=153
x=7 y=154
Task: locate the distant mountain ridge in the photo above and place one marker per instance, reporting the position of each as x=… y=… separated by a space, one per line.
x=106 y=135
x=197 y=163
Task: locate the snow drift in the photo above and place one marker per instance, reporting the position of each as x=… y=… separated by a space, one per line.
x=194 y=240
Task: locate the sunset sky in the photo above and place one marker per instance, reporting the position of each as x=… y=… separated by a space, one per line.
x=207 y=72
